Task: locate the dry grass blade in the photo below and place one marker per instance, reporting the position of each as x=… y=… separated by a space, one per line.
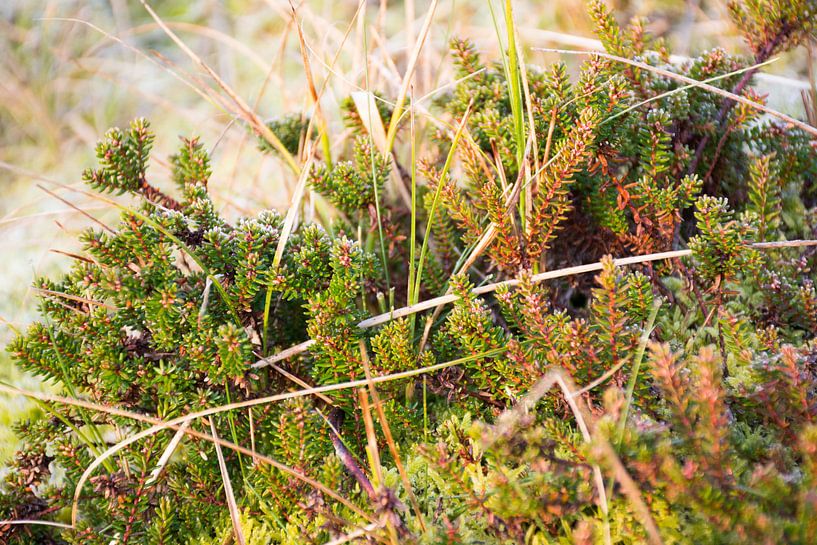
x=559 y=273
x=235 y=516
x=78 y=209
x=352 y=536
x=688 y=86
x=371 y=439
x=35 y=522
x=12 y=218
x=631 y=491
x=284 y=354
x=591 y=44
x=292 y=212
x=412 y=64
x=558 y=377
x=302 y=383
x=313 y=93
x=330 y=67
x=158 y=425
x=809 y=94
x=168 y=453
x=365 y=102
x=286 y=231
x=72 y=255
x=384 y=424
x=693 y=82
x=566 y=384
x=74 y=298
x=243 y=109
x=602 y=379
x=175 y=424
x=374 y=457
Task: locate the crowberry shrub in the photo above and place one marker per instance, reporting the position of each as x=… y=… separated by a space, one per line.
x=666 y=401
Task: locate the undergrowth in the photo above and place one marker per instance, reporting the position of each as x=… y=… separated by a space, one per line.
x=670 y=401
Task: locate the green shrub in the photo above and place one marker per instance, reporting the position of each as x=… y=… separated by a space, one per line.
x=695 y=420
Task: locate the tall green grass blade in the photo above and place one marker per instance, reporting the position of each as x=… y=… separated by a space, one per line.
x=517 y=109
x=515 y=85
x=370 y=114
x=429 y=222
x=639 y=357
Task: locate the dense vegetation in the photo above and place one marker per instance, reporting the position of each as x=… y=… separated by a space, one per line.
x=670 y=400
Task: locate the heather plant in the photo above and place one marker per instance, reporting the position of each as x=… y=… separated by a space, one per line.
x=259 y=381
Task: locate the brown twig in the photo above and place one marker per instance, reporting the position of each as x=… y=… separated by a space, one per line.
x=345 y=456
x=761 y=57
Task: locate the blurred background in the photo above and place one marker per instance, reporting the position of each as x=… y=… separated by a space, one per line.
x=70 y=69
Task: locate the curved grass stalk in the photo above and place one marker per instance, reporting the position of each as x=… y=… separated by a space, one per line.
x=448 y=160
x=488 y=288
x=560 y=273
x=558 y=377
x=686 y=87
x=177 y=423
x=694 y=83
x=404 y=87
